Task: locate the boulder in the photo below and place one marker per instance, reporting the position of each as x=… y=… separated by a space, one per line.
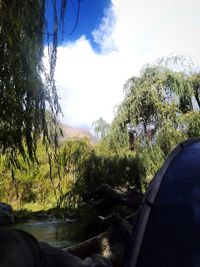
x=6 y=214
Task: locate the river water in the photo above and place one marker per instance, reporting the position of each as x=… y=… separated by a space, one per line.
x=56 y=232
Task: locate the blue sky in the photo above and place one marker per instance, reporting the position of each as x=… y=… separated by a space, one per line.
x=112 y=42
x=90 y=16
x=91 y=13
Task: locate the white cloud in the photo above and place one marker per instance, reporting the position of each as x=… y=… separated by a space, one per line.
x=132 y=33
x=103 y=35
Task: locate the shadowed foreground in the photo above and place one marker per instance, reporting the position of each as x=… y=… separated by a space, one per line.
x=18 y=248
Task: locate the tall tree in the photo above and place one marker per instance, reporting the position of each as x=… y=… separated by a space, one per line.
x=101 y=128
x=195 y=80
x=27 y=90
x=157 y=97
x=160 y=109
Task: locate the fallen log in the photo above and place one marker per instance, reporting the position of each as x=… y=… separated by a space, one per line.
x=113 y=242
x=104 y=198
x=110 y=244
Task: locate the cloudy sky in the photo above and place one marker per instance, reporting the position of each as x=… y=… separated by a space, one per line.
x=113 y=40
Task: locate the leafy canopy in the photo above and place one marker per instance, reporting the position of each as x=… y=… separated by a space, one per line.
x=27 y=90
x=159 y=97
x=160 y=109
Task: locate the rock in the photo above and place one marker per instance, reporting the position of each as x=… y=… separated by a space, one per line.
x=6 y=214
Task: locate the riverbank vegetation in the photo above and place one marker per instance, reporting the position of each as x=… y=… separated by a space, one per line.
x=37 y=170
x=160 y=109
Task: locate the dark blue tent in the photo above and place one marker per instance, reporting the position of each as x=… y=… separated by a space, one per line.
x=167 y=230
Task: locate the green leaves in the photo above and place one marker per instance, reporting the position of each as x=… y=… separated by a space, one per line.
x=160 y=109
x=101 y=128
x=27 y=90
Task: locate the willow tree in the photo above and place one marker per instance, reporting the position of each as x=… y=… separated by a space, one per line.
x=159 y=96
x=101 y=128
x=160 y=108
x=27 y=90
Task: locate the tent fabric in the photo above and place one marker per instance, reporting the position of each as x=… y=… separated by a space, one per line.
x=167 y=230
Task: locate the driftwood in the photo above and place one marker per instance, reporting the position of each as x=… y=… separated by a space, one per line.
x=113 y=242
x=104 y=198
x=110 y=244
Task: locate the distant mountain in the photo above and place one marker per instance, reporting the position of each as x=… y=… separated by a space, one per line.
x=75 y=133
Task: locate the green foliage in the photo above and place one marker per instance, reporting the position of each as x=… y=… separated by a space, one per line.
x=26 y=88
x=101 y=128
x=62 y=178
x=190 y=124
x=195 y=82
x=118 y=139
x=62 y=174
x=160 y=109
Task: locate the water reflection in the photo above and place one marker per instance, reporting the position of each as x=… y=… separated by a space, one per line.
x=56 y=232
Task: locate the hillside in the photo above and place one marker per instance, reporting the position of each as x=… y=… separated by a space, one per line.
x=76 y=133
